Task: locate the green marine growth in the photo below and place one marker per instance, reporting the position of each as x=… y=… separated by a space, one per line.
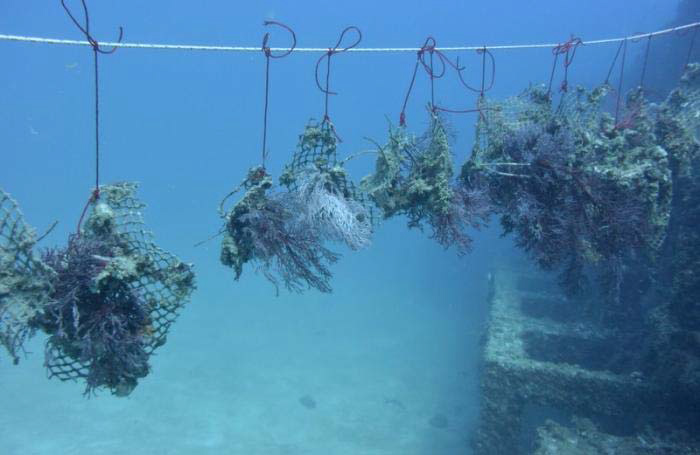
x=316 y=148
x=24 y=280
x=237 y=246
x=414 y=177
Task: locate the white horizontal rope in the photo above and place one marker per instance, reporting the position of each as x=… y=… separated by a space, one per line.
x=194 y=47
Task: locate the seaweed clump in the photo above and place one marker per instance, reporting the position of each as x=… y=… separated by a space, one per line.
x=414 y=177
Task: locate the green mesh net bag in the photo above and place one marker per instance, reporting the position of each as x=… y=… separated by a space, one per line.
x=114 y=296
x=24 y=280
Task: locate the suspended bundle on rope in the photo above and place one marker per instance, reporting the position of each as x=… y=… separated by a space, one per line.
x=581 y=189
x=25 y=281
x=284 y=230
x=107 y=299
x=114 y=295
x=576 y=187
x=415 y=176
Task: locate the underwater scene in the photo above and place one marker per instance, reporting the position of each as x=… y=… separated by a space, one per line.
x=391 y=228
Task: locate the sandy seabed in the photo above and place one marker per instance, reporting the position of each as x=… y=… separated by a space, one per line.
x=231 y=379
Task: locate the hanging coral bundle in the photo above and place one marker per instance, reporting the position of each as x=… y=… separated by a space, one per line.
x=114 y=296
x=414 y=177
x=266 y=228
x=284 y=231
x=575 y=188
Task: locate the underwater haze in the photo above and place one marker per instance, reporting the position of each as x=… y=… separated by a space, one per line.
x=389 y=361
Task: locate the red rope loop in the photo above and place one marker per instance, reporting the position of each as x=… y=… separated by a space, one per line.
x=268 y=55
x=266 y=49
x=86 y=29
x=335 y=50
x=484 y=52
x=331 y=51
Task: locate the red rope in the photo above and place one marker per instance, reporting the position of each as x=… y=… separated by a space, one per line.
x=430 y=47
x=268 y=55
x=690 y=48
x=644 y=65
x=332 y=51
x=568 y=50
x=92 y=199
x=96 y=50
x=619 y=86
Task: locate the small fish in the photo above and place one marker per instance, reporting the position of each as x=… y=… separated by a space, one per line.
x=438 y=421
x=308 y=402
x=71 y=66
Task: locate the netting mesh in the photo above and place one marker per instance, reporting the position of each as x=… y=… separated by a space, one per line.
x=577 y=108
x=139 y=288
x=24 y=280
x=317 y=152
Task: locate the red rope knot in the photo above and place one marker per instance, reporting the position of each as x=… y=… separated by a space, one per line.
x=327 y=120
x=569 y=45
x=86 y=30
x=568 y=50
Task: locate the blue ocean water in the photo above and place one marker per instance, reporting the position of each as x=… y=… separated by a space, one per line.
x=397 y=342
